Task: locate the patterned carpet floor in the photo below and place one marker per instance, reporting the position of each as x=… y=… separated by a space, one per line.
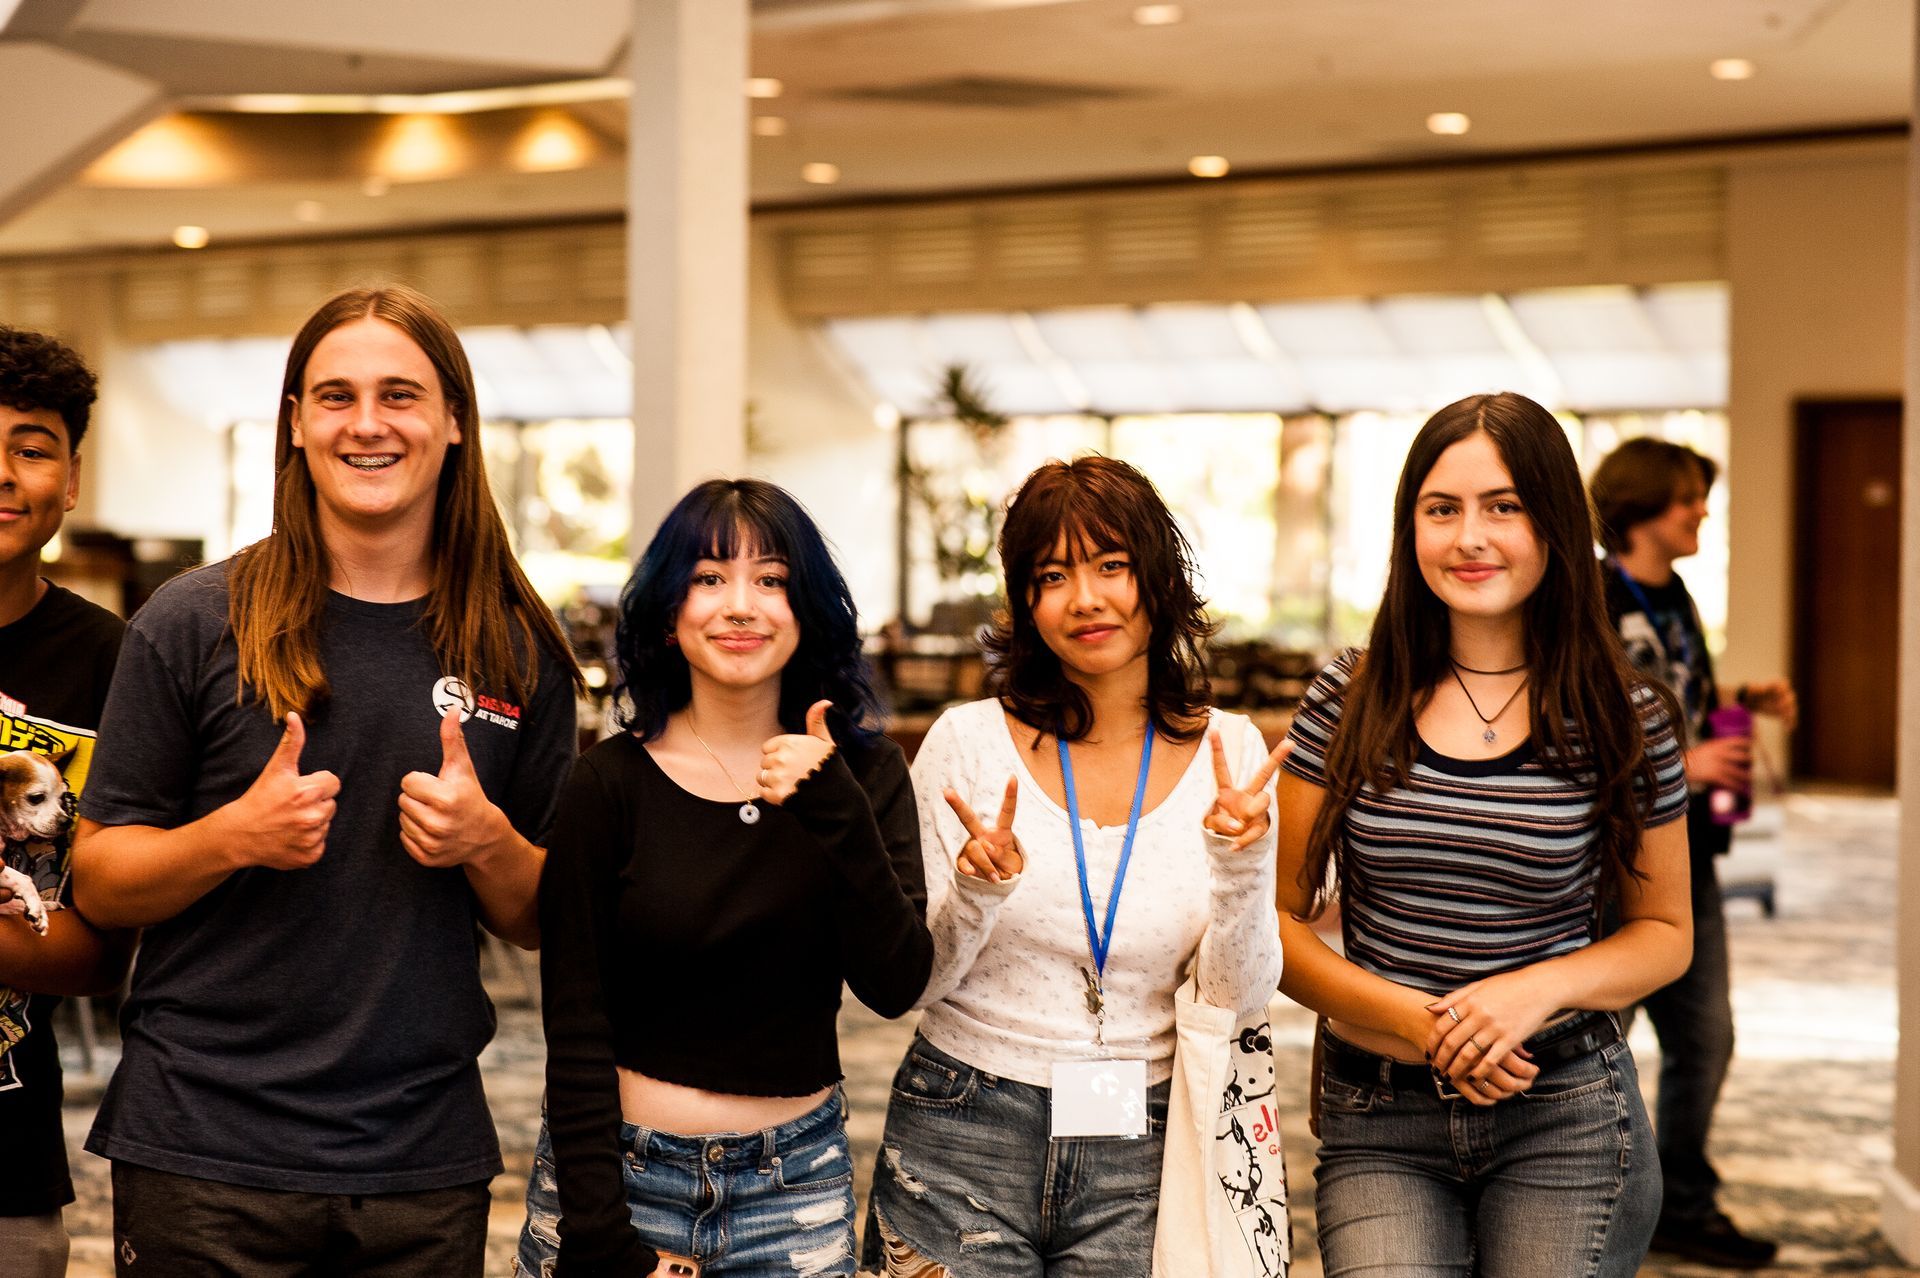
x=1803 y=1131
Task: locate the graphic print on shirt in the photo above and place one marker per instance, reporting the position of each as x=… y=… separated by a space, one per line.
x=43 y=766
x=1657 y=644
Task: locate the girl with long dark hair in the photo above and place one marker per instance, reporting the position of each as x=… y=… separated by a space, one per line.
x=1470 y=790
x=1091 y=831
x=716 y=872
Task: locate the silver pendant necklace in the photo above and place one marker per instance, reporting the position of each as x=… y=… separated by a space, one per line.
x=749 y=812
x=1486 y=720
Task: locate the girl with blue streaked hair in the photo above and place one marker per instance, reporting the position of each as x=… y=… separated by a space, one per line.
x=749 y=842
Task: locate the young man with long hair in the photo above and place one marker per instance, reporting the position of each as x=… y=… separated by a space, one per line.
x=56 y=657
x=331 y=755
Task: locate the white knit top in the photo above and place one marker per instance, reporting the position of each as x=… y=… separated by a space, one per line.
x=1007 y=994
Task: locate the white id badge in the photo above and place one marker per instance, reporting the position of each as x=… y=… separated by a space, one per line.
x=1099 y=1098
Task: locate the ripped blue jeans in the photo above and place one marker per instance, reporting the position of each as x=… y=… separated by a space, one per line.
x=970 y=1185
x=770 y=1204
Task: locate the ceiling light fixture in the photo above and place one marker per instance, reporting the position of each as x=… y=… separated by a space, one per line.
x=1731 y=69
x=191 y=237
x=1158 y=15
x=1448 y=123
x=769 y=126
x=764 y=87
x=820 y=173
x=453 y=102
x=1208 y=166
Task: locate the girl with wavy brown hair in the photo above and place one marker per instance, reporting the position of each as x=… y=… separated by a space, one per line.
x=1470 y=789
x=325 y=760
x=1090 y=831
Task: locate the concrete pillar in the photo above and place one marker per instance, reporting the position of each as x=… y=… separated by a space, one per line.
x=1900 y=1207
x=687 y=248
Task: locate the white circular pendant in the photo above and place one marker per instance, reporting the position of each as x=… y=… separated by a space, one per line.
x=749 y=815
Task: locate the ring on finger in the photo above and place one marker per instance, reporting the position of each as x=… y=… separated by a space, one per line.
x=1454 y=1012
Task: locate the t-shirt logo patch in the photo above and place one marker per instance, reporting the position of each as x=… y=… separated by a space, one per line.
x=451 y=692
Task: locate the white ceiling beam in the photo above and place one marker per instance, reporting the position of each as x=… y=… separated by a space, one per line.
x=62 y=112
x=487 y=32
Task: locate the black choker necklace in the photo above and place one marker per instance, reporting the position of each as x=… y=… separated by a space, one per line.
x=1461 y=665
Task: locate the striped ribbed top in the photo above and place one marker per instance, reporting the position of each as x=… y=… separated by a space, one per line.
x=1474 y=867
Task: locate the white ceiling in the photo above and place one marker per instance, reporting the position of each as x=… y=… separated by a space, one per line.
x=1269 y=85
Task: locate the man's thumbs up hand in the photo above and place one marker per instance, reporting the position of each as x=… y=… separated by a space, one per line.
x=446 y=818
x=284 y=815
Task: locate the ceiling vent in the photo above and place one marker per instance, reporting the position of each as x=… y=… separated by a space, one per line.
x=1004 y=92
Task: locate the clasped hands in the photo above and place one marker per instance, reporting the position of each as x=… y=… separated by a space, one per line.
x=1477 y=1035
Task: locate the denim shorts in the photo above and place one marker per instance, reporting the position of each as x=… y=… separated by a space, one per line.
x=969 y=1179
x=1561 y=1181
x=776 y=1203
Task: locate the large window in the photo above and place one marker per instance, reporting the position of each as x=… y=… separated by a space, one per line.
x=1289 y=510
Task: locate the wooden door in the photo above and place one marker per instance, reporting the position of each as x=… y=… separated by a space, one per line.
x=1847 y=590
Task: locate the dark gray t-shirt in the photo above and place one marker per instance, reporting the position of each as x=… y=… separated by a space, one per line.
x=312 y=1030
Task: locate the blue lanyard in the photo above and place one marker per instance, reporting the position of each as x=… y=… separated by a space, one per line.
x=1653 y=618
x=1098 y=941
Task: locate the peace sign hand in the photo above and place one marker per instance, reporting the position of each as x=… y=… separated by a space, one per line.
x=992 y=853
x=1240 y=812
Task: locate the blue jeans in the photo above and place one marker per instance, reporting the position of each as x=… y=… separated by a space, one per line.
x=770 y=1204
x=1561 y=1181
x=969 y=1179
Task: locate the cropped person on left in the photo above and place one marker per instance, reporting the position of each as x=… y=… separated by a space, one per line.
x=716 y=873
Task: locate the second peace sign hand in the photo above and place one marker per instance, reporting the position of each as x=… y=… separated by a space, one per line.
x=992 y=853
x=1240 y=812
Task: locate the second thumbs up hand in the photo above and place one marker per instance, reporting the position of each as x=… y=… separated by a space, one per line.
x=446 y=818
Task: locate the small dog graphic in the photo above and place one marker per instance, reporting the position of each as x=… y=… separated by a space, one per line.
x=34 y=812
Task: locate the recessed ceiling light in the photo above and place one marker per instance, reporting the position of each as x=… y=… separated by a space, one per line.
x=1158 y=15
x=191 y=237
x=1448 y=123
x=763 y=86
x=309 y=211
x=1731 y=69
x=375 y=187
x=769 y=126
x=1208 y=166
x=820 y=173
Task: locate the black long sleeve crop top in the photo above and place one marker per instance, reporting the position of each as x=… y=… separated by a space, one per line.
x=680 y=942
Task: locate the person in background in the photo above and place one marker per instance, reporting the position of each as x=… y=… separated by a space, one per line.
x=56 y=659
x=1092 y=831
x=1470 y=789
x=717 y=872
x=1651 y=496
x=324 y=761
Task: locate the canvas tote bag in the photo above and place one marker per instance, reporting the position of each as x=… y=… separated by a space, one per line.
x=1223 y=1186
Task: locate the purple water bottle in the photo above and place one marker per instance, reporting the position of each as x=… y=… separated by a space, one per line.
x=1724 y=806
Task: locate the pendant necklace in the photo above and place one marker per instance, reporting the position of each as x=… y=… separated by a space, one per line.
x=1487 y=720
x=749 y=814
